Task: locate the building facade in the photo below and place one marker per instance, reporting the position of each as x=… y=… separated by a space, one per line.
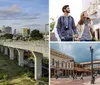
x=25 y=32
x=96 y=66
x=61 y=64
x=3 y=29
x=80 y=69
x=94 y=13
x=64 y=66
x=8 y=30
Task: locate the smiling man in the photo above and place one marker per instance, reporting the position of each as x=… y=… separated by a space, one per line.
x=66 y=25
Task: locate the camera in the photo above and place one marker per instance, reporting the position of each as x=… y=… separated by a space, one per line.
x=66 y=27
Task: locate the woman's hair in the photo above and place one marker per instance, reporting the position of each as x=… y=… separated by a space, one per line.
x=82 y=18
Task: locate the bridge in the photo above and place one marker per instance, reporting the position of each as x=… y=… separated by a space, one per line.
x=39 y=49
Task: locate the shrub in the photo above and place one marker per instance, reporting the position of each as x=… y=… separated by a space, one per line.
x=45 y=79
x=6 y=83
x=5 y=77
x=1 y=76
x=30 y=74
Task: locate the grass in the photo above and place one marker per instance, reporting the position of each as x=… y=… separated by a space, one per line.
x=10 y=67
x=15 y=73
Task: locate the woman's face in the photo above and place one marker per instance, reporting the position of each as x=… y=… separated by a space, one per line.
x=85 y=14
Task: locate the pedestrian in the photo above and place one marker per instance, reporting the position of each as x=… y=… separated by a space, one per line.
x=56 y=75
x=85 y=28
x=81 y=77
x=73 y=77
x=66 y=26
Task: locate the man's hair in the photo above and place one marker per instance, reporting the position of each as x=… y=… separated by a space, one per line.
x=64 y=7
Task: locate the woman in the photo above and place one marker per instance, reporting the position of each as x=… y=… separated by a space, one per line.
x=85 y=27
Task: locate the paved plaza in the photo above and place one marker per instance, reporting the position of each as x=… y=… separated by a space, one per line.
x=69 y=81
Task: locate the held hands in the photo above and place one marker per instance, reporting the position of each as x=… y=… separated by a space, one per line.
x=76 y=37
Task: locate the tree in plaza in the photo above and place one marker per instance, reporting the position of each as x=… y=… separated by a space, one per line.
x=35 y=34
x=52 y=24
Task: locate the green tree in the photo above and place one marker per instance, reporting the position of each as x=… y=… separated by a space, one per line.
x=35 y=34
x=7 y=36
x=52 y=24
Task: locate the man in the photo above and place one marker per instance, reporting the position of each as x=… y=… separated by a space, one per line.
x=66 y=26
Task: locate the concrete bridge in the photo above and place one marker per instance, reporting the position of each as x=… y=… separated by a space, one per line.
x=39 y=49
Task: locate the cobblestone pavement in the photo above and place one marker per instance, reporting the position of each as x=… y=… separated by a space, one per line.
x=69 y=81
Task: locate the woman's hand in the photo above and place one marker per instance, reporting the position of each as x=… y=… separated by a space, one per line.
x=76 y=37
x=90 y=26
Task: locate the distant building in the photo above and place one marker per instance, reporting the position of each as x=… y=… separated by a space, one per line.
x=25 y=32
x=3 y=29
x=96 y=66
x=61 y=64
x=8 y=30
x=14 y=32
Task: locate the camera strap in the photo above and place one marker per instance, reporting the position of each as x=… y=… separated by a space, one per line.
x=62 y=23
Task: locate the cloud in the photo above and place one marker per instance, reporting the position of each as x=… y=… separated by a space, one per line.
x=97 y=57
x=16 y=23
x=98 y=51
x=79 y=51
x=32 y=25
x=14 y=9
x=19 y=17
x=15 y=13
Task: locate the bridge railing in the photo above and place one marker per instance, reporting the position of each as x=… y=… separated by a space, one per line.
x=38 y=46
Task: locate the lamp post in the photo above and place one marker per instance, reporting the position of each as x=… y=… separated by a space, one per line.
x=92 y=78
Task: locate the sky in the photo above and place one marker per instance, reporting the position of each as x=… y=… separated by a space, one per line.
x=55 y=8
x=79 y=51
x=18 y=14
x=85 y=4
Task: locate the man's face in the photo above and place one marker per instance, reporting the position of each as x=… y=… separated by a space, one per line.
x=67 y=10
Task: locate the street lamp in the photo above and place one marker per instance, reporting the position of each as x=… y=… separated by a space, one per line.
x=92 y=78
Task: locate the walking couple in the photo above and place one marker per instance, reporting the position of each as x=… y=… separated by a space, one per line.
x=67 y=30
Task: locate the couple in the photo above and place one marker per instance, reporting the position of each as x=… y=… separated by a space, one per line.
x=67 y=30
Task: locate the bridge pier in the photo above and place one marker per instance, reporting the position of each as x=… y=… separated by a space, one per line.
x=5 y=51
x=11 y=53
x=21 y=57
x=38 y=65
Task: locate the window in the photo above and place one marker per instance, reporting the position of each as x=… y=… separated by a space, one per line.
x=52 y=61
x=58 y=62
x=62 y=63
x=66 y=64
